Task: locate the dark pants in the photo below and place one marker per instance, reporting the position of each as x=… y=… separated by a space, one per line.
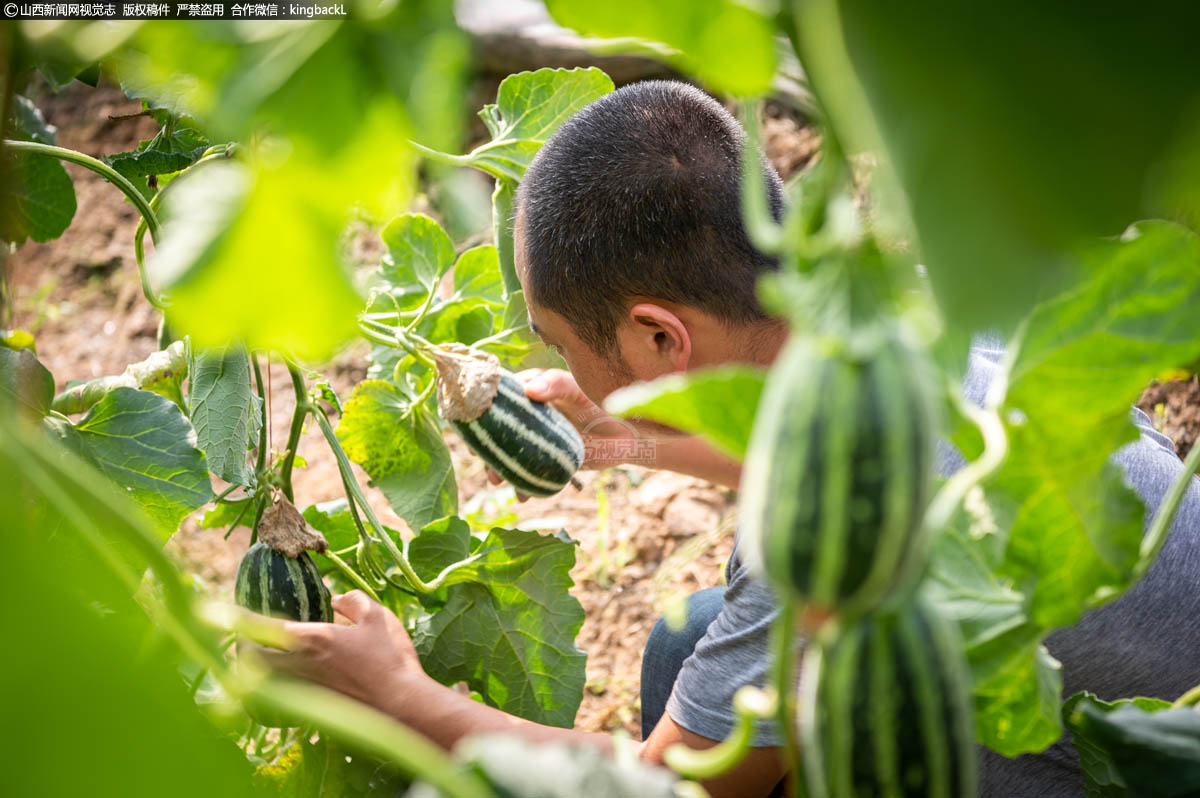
x=667 y=649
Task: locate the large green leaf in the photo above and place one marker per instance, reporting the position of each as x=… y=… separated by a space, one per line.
x=1005 y=157
x=25 y=382
x=477 y=274
x=511 y=635
x=729 y=45
x=1083 y=359
x=225 y=411
x=465 y=321
x=1017 y=684
x=38 y=198
x=143 y=443
x=1135 y=747
x=717 y=404
x=529 y=107
x=176 y=146
x=419 y=251
x=1057 y=531
x=401 y=447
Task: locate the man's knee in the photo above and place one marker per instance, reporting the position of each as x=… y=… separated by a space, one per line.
x=667 y=642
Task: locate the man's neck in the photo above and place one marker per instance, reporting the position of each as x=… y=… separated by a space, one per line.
x=757 y=344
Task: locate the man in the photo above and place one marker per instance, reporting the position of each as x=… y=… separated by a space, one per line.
x=635 y=264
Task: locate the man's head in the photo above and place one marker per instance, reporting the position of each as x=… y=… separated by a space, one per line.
x=630 y=242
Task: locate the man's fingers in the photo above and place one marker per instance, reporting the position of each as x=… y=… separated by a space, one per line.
x=553 y=385
x=272 y=657
x=304 y=662
x=525 y=375
x=355 y=605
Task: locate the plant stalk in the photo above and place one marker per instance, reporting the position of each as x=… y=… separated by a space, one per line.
x=303 y=407
x=262 y=431
x=387 y=336
x=439 y=156
x=352 y=575
x=1188 y=699
x=783 y=639
x=491 y=339
x=241 y=514
x=356 y=494
x=502 y=225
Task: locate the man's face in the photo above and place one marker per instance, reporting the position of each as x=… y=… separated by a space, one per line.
x=597 y=375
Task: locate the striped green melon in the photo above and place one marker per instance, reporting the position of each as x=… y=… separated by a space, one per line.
x=531 y=444
x=837 y=472
x=885 y=710
x=274 y=584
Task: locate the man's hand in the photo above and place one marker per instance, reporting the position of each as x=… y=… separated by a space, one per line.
x=373 y=661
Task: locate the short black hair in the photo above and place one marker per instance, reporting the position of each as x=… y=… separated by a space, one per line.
x=639 y=194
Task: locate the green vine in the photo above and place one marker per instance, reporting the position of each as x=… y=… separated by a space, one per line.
x=117 y=179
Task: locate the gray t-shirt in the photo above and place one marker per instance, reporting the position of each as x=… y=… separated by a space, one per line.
x=1144 y=643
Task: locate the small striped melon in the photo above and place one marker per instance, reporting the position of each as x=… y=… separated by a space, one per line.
x=885 y=709
x=531 y=444
x=274 y=584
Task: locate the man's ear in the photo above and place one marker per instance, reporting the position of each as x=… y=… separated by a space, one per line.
x=659 y=337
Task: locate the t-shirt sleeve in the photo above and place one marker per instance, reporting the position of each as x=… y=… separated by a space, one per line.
x=734 y=652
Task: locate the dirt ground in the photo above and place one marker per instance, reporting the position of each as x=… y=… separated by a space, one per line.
x=646 y=538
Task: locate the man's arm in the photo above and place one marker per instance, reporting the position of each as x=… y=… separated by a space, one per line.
x=756 y=775
x=375 y=662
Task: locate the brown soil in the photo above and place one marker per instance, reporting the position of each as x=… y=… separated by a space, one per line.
x=1174 y=407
